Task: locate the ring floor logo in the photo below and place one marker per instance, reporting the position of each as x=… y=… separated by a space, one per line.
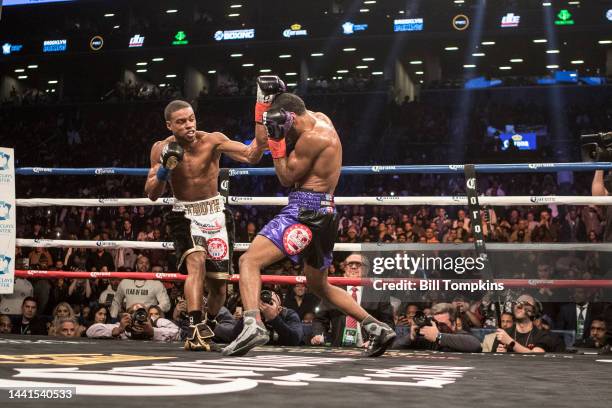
x=5 y=263
x=226 y=376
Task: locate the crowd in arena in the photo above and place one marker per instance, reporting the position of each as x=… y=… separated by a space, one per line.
x=67 y=137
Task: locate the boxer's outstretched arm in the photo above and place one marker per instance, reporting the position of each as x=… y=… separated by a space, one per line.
x=598 y=187
x=239 y=151
x=292 y=169
x=154 y=187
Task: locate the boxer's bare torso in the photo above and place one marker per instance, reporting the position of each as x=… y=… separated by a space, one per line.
x=195 y=178
x=317 y=156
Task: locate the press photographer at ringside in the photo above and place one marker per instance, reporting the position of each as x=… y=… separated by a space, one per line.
x=136 y=325
x=438 y=332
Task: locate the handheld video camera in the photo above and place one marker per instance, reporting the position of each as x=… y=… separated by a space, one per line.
x=596 y=147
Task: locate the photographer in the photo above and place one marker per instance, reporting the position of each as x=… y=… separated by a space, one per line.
x=438 y=332
x=284 y=325
x=136 y=325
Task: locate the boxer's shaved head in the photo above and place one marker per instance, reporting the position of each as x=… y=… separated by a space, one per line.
x=175 y=106
x=290 y=103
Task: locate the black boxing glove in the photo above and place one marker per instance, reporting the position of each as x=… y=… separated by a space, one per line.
x=170 y=157
x=268 y=86
x=278 y=122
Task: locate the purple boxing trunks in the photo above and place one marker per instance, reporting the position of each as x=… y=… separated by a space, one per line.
x=305 y=230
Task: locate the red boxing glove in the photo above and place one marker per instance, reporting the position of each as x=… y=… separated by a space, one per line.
x=260 y=108
x=278 y=148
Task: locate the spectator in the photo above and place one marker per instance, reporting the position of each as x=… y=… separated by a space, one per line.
x=147 y=292
x=60 y=312
x=154 y=313
x=301 y=301
x=106 y=297
x=68 y=327
x=577 y=316
x=100 y=314
x=6 y=326
x=545 y=231
x=79 y=291
x=599 y=333
x=523 y=336
x=101 y=258
x=28 y=322
x=507 y=321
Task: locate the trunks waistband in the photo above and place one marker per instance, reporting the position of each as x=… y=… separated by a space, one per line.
x=203 y=207
x=311 y=199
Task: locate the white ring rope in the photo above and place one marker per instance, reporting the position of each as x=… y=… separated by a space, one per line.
x=388 y=200
x=344 y=247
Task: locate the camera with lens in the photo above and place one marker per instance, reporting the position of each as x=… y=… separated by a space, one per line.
x=596 y=147
x=140 y=317
x=422 y=320
x=136 y=329
x=266 y=296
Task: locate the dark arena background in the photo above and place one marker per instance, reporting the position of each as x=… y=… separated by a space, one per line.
x=470 y=222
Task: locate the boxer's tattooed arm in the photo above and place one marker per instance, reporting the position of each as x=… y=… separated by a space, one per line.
x=154 y=188
x=290 y=170
x=251 y=153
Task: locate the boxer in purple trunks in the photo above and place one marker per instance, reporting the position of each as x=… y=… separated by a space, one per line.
x=306 y=229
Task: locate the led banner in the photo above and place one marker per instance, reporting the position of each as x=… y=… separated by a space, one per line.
x=349 y=28
x=224 y=35
x=7 y=220
x=296 y=30
x=136 y=41
x=55 y=45
x=522 y=141
x=8 y=48
x=180 y=38
x=408 y=24
x=510 y=20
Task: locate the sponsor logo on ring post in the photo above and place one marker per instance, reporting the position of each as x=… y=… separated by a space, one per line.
x=456 y=167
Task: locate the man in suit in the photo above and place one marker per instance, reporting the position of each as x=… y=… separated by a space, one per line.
x=343 y=330
x=577 y=316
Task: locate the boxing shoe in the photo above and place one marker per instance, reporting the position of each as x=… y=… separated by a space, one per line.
x=200 y=338
x=253 y=334
x=381 y=336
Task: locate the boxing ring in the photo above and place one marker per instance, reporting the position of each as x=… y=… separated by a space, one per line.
x=472 y=200
x=158 y=374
